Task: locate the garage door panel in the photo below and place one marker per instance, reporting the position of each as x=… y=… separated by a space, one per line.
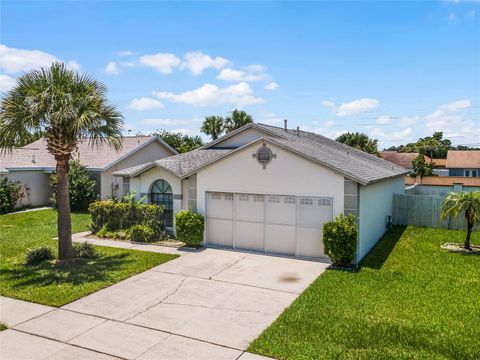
x=310 y=242
x=249 y=207
x=220 y=232
x=314 y=211
x=281 y=210
x=281 y=239
x=249 y=235
x=220 y=205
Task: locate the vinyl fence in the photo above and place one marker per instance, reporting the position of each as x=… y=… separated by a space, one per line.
x=423 y=210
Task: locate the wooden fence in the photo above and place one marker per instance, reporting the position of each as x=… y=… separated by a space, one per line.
x=423 y=210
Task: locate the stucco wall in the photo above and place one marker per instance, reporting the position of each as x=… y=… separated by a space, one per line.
x=151 y=152
x=376 y=203
x=286 y=174
x=38 y=183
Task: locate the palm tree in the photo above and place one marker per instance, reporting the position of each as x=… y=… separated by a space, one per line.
x=238 y=119
x=213 y=126
x=68 y=108
x=467 y=202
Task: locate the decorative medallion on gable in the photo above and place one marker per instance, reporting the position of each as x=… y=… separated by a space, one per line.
x=264 y=155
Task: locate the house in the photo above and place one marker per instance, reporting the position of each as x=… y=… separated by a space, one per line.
x=463 y=163
x=401 y=159
x=271 y=189
x=32 y=165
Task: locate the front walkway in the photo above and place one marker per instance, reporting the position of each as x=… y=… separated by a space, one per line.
x=207 y=304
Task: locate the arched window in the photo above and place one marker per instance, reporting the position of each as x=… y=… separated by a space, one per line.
x=161 y=194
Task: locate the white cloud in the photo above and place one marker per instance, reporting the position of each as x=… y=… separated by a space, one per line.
x=162 y=62
x=197 y=62
x=111 y=68
x=455 y=105
x=271 y=86
x=125 y=53
x=6 y=82
x=452 y=17
x=254 y=68
x=238 y=75
x=271 y=119
x=352 y=107
x=208 y=94
x=383 y=120
x=144 y=103
x=16 y=60
x=329 y=123
x=168 y=122
x=393 y=136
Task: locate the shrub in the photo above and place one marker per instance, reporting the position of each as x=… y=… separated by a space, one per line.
x=141 y=233
x=340 y=239
x=38 y=255
x=111 y=216
x=81 y=187
x=10 y=193
x=189 y=226
x=84 y=250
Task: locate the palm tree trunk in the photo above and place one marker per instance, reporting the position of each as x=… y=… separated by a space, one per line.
x=466 y=245
x=63 y=204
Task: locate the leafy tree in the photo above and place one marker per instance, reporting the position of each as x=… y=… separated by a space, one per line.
x=180 y=142
x=238 y=119
x=435 y=146
x=81 y=187
x=359 y=141
x=463 y=202
x=213 y=126
x=67 y=107
x=27 y=139
x=421 y=167
x=10 y=194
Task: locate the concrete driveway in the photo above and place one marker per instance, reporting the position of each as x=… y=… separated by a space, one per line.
x=208 y=304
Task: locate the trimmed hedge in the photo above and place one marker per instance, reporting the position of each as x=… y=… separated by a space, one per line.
x=10 y=193
x=111 y=216
x=340 y=239
x=140 y=233
x=189 y=226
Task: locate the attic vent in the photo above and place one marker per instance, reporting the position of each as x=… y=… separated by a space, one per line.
x=264 y=155
x=33 y=159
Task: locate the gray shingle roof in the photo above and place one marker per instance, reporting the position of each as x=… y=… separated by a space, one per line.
x=180 y=165
x=352 y=163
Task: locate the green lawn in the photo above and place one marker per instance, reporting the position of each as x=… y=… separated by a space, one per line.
x=411 y=300
x=55 y=285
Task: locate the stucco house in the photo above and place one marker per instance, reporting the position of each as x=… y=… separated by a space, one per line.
x=271 y=189
x=463 y=163
x=32 y=165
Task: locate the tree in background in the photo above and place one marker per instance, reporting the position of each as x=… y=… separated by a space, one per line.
x=421 y=167
x=238 y=119
x=359 y=141
x=213 y=126
x=180 y=142
x=81 y=187
x=463 y=202
x=27 y=139
x=435 y=146
x=67 y=107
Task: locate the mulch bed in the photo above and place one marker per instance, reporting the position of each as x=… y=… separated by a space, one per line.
x=458 y=248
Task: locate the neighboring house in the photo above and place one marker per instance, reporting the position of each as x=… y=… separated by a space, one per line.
x=271 y=189
x=401 y=159
x=441 y=185
x=463 y=163
x=32 y=165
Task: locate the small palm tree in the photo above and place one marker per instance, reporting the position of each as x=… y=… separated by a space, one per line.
x=67 y=108
x=238 y=119
x=213 y=126
x=467 y=202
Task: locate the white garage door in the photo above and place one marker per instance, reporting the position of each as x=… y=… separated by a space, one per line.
x=272 y=223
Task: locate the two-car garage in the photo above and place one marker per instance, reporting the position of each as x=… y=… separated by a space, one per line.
x=285 y=224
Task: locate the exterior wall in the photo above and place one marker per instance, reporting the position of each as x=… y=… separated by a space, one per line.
x=376 y=204
x=240 y=139
x=151 y=152
x=443 y=181
x=37 y=182
x=440 y=190
x=351 y=197
x=460 y=172
x=286 y=174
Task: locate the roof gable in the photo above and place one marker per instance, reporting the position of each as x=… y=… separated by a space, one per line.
x=463 y=159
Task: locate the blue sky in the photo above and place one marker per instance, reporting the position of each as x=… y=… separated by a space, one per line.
x=394 y=70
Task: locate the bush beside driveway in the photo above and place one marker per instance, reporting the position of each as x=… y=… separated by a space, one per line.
x=411 y=299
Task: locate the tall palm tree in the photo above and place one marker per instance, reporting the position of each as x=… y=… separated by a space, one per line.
x=467 y=202
x=68 y=108
x=213 y=126
x=237 y=120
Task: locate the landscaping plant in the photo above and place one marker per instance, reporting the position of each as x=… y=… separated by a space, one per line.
x=84 y=250
x=81 y=187
x=38 y=255
x=467 y=203
x=68 y=108
x=189 y=227
x=140 y=233
x=340 y=239
x=10 y=193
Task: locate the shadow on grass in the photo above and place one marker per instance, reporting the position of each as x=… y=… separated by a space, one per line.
x=80 y=272
x=381 y=251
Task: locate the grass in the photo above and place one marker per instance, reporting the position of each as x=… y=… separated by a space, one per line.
x=3 y=326
x=56 y=285
x=410 y=300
